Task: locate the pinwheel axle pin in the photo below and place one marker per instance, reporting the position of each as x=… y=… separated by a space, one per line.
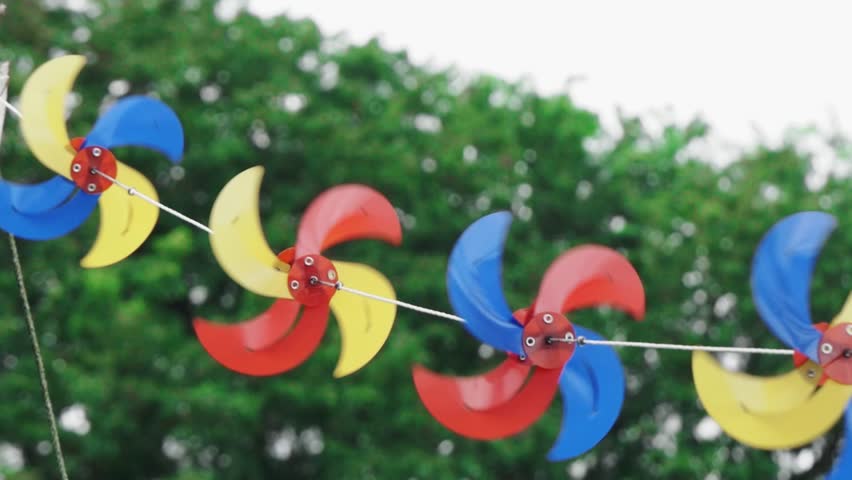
x=87 y=163
x=305 y=277
x=835 y=353
x=543 y=335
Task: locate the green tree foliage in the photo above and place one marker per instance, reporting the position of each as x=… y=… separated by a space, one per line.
x=317 y=112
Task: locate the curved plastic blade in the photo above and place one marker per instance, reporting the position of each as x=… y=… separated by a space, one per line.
x=56 y=222
x=239 y=243
x=843 y=467
x=34 y=199
x=445 y=400
x=343 y=213
x=288 y=352
x=773 y=413
x=126 y=220
x=142 y=122
x=591 y=275
x=365 y=324
x=475 y=287
x=489 y=390
x=592 y=387
x=256 y=334
x=43 y=112
x=781 y=278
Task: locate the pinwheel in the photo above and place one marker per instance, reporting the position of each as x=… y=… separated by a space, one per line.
x=61 y=204
x=301 y=279
x=540 y=341
x=792 y=409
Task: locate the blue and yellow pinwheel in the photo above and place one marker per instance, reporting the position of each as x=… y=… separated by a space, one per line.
x=59 y=205
x=539 y=341
x=792 y=409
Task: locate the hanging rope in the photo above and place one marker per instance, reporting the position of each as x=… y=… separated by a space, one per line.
x=54 y=432
x=19 y=275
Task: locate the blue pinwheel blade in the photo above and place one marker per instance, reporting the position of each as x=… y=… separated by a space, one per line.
x=475 y=286
x=592 y=387
x=843 y=466
x=781 y=278
x=42 y=197
x=142 y=122
x=56 y=222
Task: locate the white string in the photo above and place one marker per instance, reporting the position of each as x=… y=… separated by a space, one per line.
x=399 y=303
x=581 y=340
x=133 y=192
x=672 y=346
x=12 y=109
x=437 y=313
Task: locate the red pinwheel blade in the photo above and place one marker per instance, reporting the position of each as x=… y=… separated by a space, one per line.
x=587 y=276
x=229 y=344
x=268 y=327
x=445 y=399
x=489 y=390
x=344 y=213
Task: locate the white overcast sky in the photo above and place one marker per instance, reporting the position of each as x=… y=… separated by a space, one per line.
x=745 y=66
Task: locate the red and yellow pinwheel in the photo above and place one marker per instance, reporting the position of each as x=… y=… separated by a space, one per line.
x=301 y=279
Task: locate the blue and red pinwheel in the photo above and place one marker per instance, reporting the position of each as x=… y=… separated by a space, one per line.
x=59 y=205
x=540 y=341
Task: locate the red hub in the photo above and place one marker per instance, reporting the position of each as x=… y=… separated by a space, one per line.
x=83 y=163
x=305 y=277
x=835 y=353
x=543 y=340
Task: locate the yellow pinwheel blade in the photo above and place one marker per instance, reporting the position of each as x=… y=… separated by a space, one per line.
x=43 y=111
x=364 y=323
x=126 y=220
x=238 y=241
x=772 y=413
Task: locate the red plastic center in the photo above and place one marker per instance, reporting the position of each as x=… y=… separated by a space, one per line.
x=835 y=353
x=83 y=163
x=542 y=340
x=304 y=280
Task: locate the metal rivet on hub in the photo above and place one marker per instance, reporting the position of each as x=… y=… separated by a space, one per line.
x=76 y=167
x=569 y=336
x=314 y=280
x=826 y=348
x=548 y=318
x=530 y=341
x=91 y=187
x=309 y=261
x=811 y=373
x=294 y=284
x=332 y=275
x=522 y=358
x=849 y=329
x=96 y=152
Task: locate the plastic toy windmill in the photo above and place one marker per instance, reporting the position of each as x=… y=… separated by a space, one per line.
x=792 y=409
x=301 y=279
x=58 y=206
x=540 y=342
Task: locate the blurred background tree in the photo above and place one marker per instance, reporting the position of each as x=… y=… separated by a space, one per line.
x=140 y=399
